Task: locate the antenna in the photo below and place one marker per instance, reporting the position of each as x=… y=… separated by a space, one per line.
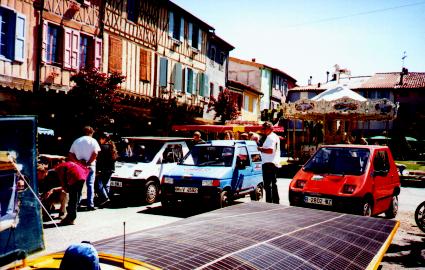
x=123 y=255
x=402 y=58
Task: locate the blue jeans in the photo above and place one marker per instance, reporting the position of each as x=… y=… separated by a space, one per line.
x=90 y=186
x=103 y=184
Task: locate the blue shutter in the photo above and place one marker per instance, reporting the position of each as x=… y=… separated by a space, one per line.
x=181 y=29
x=189 y=84
x=195 y=90
x=206 y=86
x=178 y=77
x=189 y=36
x=170 y=23
x=163 y=66
x=201 y=84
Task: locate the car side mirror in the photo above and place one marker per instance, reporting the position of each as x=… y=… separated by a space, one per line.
x=240 y=164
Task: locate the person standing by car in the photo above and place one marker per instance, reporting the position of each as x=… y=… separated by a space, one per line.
x=84 y=150
x=270 y=154
x=105 y=166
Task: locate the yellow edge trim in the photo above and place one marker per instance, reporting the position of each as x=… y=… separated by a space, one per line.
x=53 y=261
x=374 y=264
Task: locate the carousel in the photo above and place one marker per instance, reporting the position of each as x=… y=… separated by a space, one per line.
x=334 y=114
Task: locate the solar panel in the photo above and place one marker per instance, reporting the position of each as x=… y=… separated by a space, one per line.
x=259 y=235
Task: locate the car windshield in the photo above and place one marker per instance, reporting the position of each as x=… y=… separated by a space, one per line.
x=207 y=155
x=139 y=151
x=341 y=161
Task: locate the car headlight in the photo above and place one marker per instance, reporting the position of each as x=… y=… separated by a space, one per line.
x=137 y=173
x=168 y=180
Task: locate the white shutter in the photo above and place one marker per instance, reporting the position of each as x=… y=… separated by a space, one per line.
x=181 y=29
x=75 y=49
x=190 y=33
x=20 y=37
x=199 y=40
x=44 y=46
x=97 y=52
x=67 y=47
x=170 y=23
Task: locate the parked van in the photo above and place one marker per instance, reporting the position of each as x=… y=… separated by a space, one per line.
x=361 y=179
x=216 y=173
x=142 y=162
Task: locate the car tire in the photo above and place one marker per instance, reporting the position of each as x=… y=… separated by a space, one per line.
x=224 y=199
x=393 y=209
x=151 y=192
x=366 y=208
x=257 y=194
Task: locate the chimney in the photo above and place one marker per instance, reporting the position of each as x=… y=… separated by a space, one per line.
x=404 y=71
x=327 y=76
x=309 y=80
x=253 y=60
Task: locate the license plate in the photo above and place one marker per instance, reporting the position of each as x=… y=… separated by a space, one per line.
x=116 y=184
x=186 y=189
x=317 y=200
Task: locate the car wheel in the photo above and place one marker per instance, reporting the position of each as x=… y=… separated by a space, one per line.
x=366 y=209
x=151 y=192
x=224 y=199
x=257 y=194
x=393 y=209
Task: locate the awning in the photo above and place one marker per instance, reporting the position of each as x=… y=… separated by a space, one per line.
x=45 y=131
x=222 y=128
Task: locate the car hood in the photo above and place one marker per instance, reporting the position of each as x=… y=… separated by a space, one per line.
x=200 y=172
x=126 y=170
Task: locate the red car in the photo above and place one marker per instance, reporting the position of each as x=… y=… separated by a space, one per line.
x=360 y=179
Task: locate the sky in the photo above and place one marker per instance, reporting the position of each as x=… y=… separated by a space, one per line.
x=306 y=38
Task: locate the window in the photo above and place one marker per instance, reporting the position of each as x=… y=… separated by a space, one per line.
x=12 y=35
x=133 y=8
x=380 y=162
x=175 y=26
x=189 y=81
x=145 y=65
x=163 y=72
x=246 y=103
x=90 y=51
x=195 y=36
x=220 y=88
x=212 y=93
x=212 y=53
x=52 y=43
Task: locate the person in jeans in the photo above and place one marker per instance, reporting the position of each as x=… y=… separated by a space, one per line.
x=84 y=150
x=105 y=166
x=270 y=155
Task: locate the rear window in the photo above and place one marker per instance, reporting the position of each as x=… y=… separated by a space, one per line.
x=341 y=161
x=209 y=156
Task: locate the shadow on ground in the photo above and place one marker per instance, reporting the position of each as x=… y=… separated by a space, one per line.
x=407 y=256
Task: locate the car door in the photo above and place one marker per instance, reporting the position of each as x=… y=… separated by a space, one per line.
x=243 y=171
x=172 y=153
x=381 y=180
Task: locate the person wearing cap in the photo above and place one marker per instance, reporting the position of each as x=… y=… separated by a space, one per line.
x=270 y=155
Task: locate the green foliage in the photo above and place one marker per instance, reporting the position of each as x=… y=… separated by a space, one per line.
x=225 y=106
x=94 y=94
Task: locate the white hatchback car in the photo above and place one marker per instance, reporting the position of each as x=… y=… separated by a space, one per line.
x=142 y=163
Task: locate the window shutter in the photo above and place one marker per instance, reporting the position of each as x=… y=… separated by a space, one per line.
x=195 y=83
x=67 y=47
x=97 y=52
x=190 y=33
x=189 y=81
x=143 y=64
x=170 y=23
x=44 y=46
x=115 y=54
x=163 y=67
x=9 y=20
x=20 y=37
x=75 y=49
x=148 y=65
x=181 y=29
x=178 y=77
x=199 y=45
x=206 y=86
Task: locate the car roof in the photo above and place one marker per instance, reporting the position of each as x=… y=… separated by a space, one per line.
x=156 y=138
x=367 y=146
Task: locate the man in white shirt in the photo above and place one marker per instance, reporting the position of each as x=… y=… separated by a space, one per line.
x=270 y=155
x=84 y=150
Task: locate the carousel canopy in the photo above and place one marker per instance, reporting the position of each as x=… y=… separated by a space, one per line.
x=337 y=93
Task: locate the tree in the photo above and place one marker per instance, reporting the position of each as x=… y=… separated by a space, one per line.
x=225 y=107
x=94 y=95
